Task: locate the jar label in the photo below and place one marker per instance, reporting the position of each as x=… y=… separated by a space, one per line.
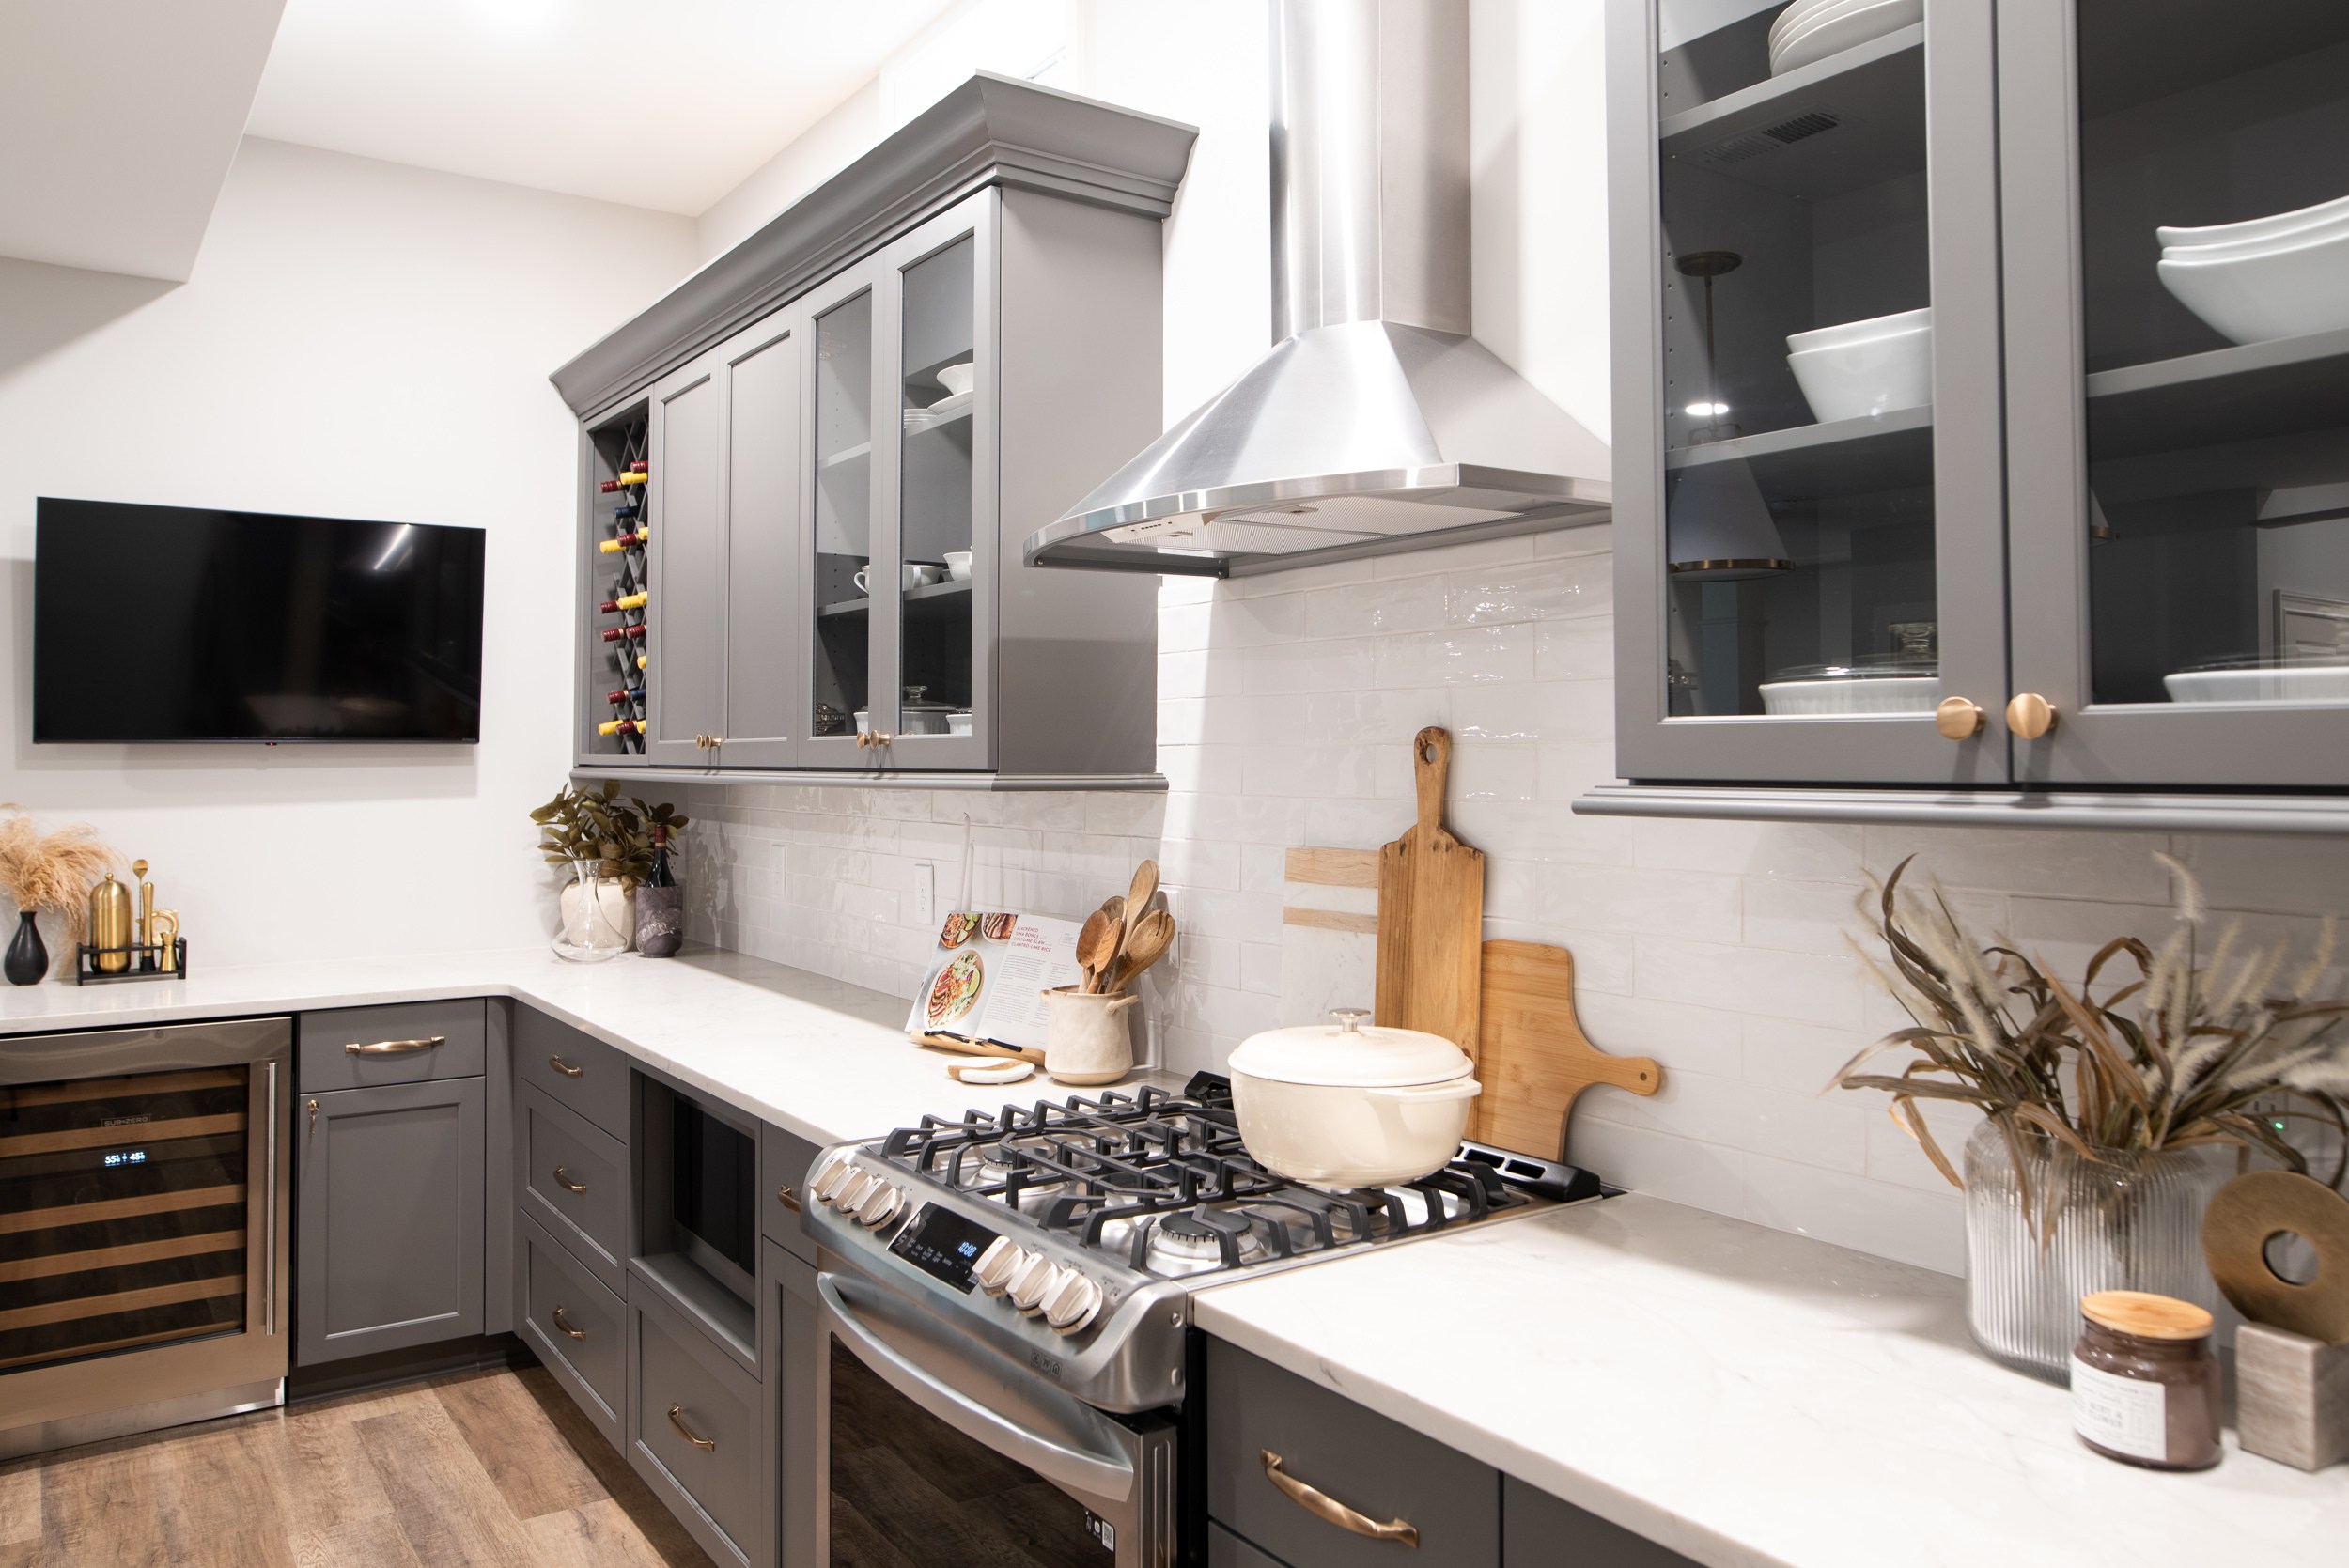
x=2128 y=1415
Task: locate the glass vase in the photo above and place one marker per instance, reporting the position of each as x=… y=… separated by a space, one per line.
x=599 y=915
x=2039 y=1239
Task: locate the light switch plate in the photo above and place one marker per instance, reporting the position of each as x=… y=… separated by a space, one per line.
x=925 y=892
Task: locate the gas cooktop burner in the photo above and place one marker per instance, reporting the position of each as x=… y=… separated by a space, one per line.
x=1162 y=1182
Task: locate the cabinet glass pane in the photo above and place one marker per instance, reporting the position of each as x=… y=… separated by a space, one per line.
x=937 y=381
x=2215 y=261
x=843 y=516
x=1797 y=360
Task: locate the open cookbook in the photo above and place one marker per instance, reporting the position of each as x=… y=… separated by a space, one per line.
x=988 y=976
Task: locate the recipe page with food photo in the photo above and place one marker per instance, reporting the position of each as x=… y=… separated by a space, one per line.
x=990 y=974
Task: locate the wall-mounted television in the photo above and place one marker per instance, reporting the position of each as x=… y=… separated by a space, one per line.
x=172 y=623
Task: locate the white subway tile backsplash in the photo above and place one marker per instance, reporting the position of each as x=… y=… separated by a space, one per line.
x=1286 y=702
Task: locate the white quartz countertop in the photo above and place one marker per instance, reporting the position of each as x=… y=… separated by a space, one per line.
x=1748 y=1397
x=827 y=1061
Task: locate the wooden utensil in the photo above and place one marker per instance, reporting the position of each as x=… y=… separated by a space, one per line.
x=980 y=1048
x=1150 y=941
x=1431 y=914
x=1145 y=888
x=1533 y=1056
x=1096 y=948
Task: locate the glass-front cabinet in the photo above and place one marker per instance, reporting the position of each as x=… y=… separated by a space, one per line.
x=1981 y=387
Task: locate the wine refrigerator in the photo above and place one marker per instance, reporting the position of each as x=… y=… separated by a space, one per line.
x=144 y=1223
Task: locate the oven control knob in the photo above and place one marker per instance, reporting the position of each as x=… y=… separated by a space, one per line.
x=849 y=1193
x=998 y=1264
x=1074 y=1302
x=881 y=1204
x=1035 y=1280
x=831 y=1178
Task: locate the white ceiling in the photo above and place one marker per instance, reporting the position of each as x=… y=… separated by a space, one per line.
x=119 y=119
x=665 y=105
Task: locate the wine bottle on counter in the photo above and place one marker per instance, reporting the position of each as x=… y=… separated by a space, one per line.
x=659 y=876
x=614 y=633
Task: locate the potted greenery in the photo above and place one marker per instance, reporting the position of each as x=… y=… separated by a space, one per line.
x=52 y=872
x=2109 y=1118
x=605 y=845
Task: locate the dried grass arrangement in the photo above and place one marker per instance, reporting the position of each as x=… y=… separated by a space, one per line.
x=2172 y=1057
x=54 y=871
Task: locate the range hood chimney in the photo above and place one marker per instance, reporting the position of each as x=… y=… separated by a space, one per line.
x=1376 y=423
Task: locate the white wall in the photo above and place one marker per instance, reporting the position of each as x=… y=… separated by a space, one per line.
x=359 y=339
x=1287 y=703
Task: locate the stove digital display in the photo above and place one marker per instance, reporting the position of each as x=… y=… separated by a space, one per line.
x=943 y=1244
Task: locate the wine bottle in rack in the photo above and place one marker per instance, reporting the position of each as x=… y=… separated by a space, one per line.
x=617 y=634
x=636 y=600
x=619 y=726
x=626 y=541
x=625 y=696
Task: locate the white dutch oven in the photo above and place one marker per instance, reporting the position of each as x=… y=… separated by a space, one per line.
x=1340 y=1105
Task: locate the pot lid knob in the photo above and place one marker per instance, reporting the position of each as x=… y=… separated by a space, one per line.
x=1350 y=1020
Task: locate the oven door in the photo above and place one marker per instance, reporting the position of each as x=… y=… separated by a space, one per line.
x=938 y=1449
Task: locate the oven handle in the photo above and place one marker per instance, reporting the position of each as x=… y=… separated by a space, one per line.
x=1084 y=1470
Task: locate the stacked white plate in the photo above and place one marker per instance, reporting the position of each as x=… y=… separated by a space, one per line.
x=2279 y=276
x=1810 y=30
x=1862 y=369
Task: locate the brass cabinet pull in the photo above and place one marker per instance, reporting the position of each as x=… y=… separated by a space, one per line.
x=314 y=1115
x=397 y=1047
x=1328 y=1509
x=677 y=1419
x=565 y=1324
x=1958 y=719
x=565 y=1068
x=873 y=737
x=2031 y=715
x=562 y=1180
x=789 y=1197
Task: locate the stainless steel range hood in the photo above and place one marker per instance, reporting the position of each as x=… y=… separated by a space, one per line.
x=1376 y=423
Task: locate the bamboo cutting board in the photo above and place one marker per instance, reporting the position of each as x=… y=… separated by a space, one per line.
x=1431 y=914
x=1533 y=1058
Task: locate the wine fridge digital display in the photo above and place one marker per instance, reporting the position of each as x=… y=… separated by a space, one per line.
x=142 y=1224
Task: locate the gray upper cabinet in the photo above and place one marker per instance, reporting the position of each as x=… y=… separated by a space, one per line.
x=852 y=421
x=1941 y=460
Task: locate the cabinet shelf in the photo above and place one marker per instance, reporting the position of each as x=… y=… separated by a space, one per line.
x=929 y=594
x=1849 y=457
x=845 y=455
x=1769 y=135
x=2255 y=390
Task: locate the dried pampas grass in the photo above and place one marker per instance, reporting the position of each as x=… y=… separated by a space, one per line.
x=53 y=872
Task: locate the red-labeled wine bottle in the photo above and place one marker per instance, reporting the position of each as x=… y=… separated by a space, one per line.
x=659 y=876
x=623 y=698
x=613 y=633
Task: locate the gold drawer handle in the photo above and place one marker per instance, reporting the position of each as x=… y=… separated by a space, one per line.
x=396 y=1048
x=565 y=1068
x=677 y=1419
x=789 y=1197
x=562 y=1180
x=565 y=1324
x=1328 y=1509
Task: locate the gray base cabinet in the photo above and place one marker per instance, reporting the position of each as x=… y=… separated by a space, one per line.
x=1538 y=1531
x=578 y=1329
x=391 y=1217
x=694 y=1431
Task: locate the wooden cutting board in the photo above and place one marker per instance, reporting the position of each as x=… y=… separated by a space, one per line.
x=1431 y=914
x=1533 y=1055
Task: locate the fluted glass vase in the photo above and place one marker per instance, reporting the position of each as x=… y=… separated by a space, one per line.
x=2039 y=1239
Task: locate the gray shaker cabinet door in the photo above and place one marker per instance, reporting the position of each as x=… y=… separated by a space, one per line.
x=1538 y=1531
x=760 y=372
x=390 y=1218
x=687 y=680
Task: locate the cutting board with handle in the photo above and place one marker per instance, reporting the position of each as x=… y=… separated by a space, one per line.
x=1533 y=1056
x=1431 y=914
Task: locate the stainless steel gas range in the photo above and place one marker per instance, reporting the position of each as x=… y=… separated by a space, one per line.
x=1006 y=1305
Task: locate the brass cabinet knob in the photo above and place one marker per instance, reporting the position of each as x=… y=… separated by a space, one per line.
x=1958 y=718
x=2031 y=715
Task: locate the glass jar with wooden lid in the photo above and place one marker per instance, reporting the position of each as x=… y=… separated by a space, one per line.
x=2145 y=1382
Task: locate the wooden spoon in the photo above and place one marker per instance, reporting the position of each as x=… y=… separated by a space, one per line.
x=1096 y=949
x=1150 y=941
x=1138 y=898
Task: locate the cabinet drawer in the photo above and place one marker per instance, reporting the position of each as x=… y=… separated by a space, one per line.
x=783 y=1161
x=359 y=1047
x=1226 y=1550
x=1538 y=1531
x=577 y=1071
x=1353 y=1456
x=685 y=1389
x=574 y=1181
x=573 y=1320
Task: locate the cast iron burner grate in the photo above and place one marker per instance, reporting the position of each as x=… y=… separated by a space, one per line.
x=1154 y=1175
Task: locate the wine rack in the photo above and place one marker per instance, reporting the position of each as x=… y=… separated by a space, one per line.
x=619 y=588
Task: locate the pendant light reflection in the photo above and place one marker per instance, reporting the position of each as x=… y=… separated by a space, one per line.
x=1719 y=528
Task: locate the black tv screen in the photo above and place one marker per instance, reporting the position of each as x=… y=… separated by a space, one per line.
x=170 y=622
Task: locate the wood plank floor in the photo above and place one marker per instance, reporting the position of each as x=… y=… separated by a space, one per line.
x=489 y=1469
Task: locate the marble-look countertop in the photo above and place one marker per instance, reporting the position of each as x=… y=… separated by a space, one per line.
x=1751 y=1398
x=826 y=1059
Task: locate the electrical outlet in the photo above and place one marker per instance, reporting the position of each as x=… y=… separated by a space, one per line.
x=925 y=892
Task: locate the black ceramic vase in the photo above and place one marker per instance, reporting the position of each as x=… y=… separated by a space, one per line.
x=659 y=920
x=27 y=963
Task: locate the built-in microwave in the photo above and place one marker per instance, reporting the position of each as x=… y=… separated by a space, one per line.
x=701 y=1182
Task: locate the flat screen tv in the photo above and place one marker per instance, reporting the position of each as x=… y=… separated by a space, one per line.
x=170 y=622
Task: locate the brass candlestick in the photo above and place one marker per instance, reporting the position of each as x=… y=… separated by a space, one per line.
x=145 y=926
